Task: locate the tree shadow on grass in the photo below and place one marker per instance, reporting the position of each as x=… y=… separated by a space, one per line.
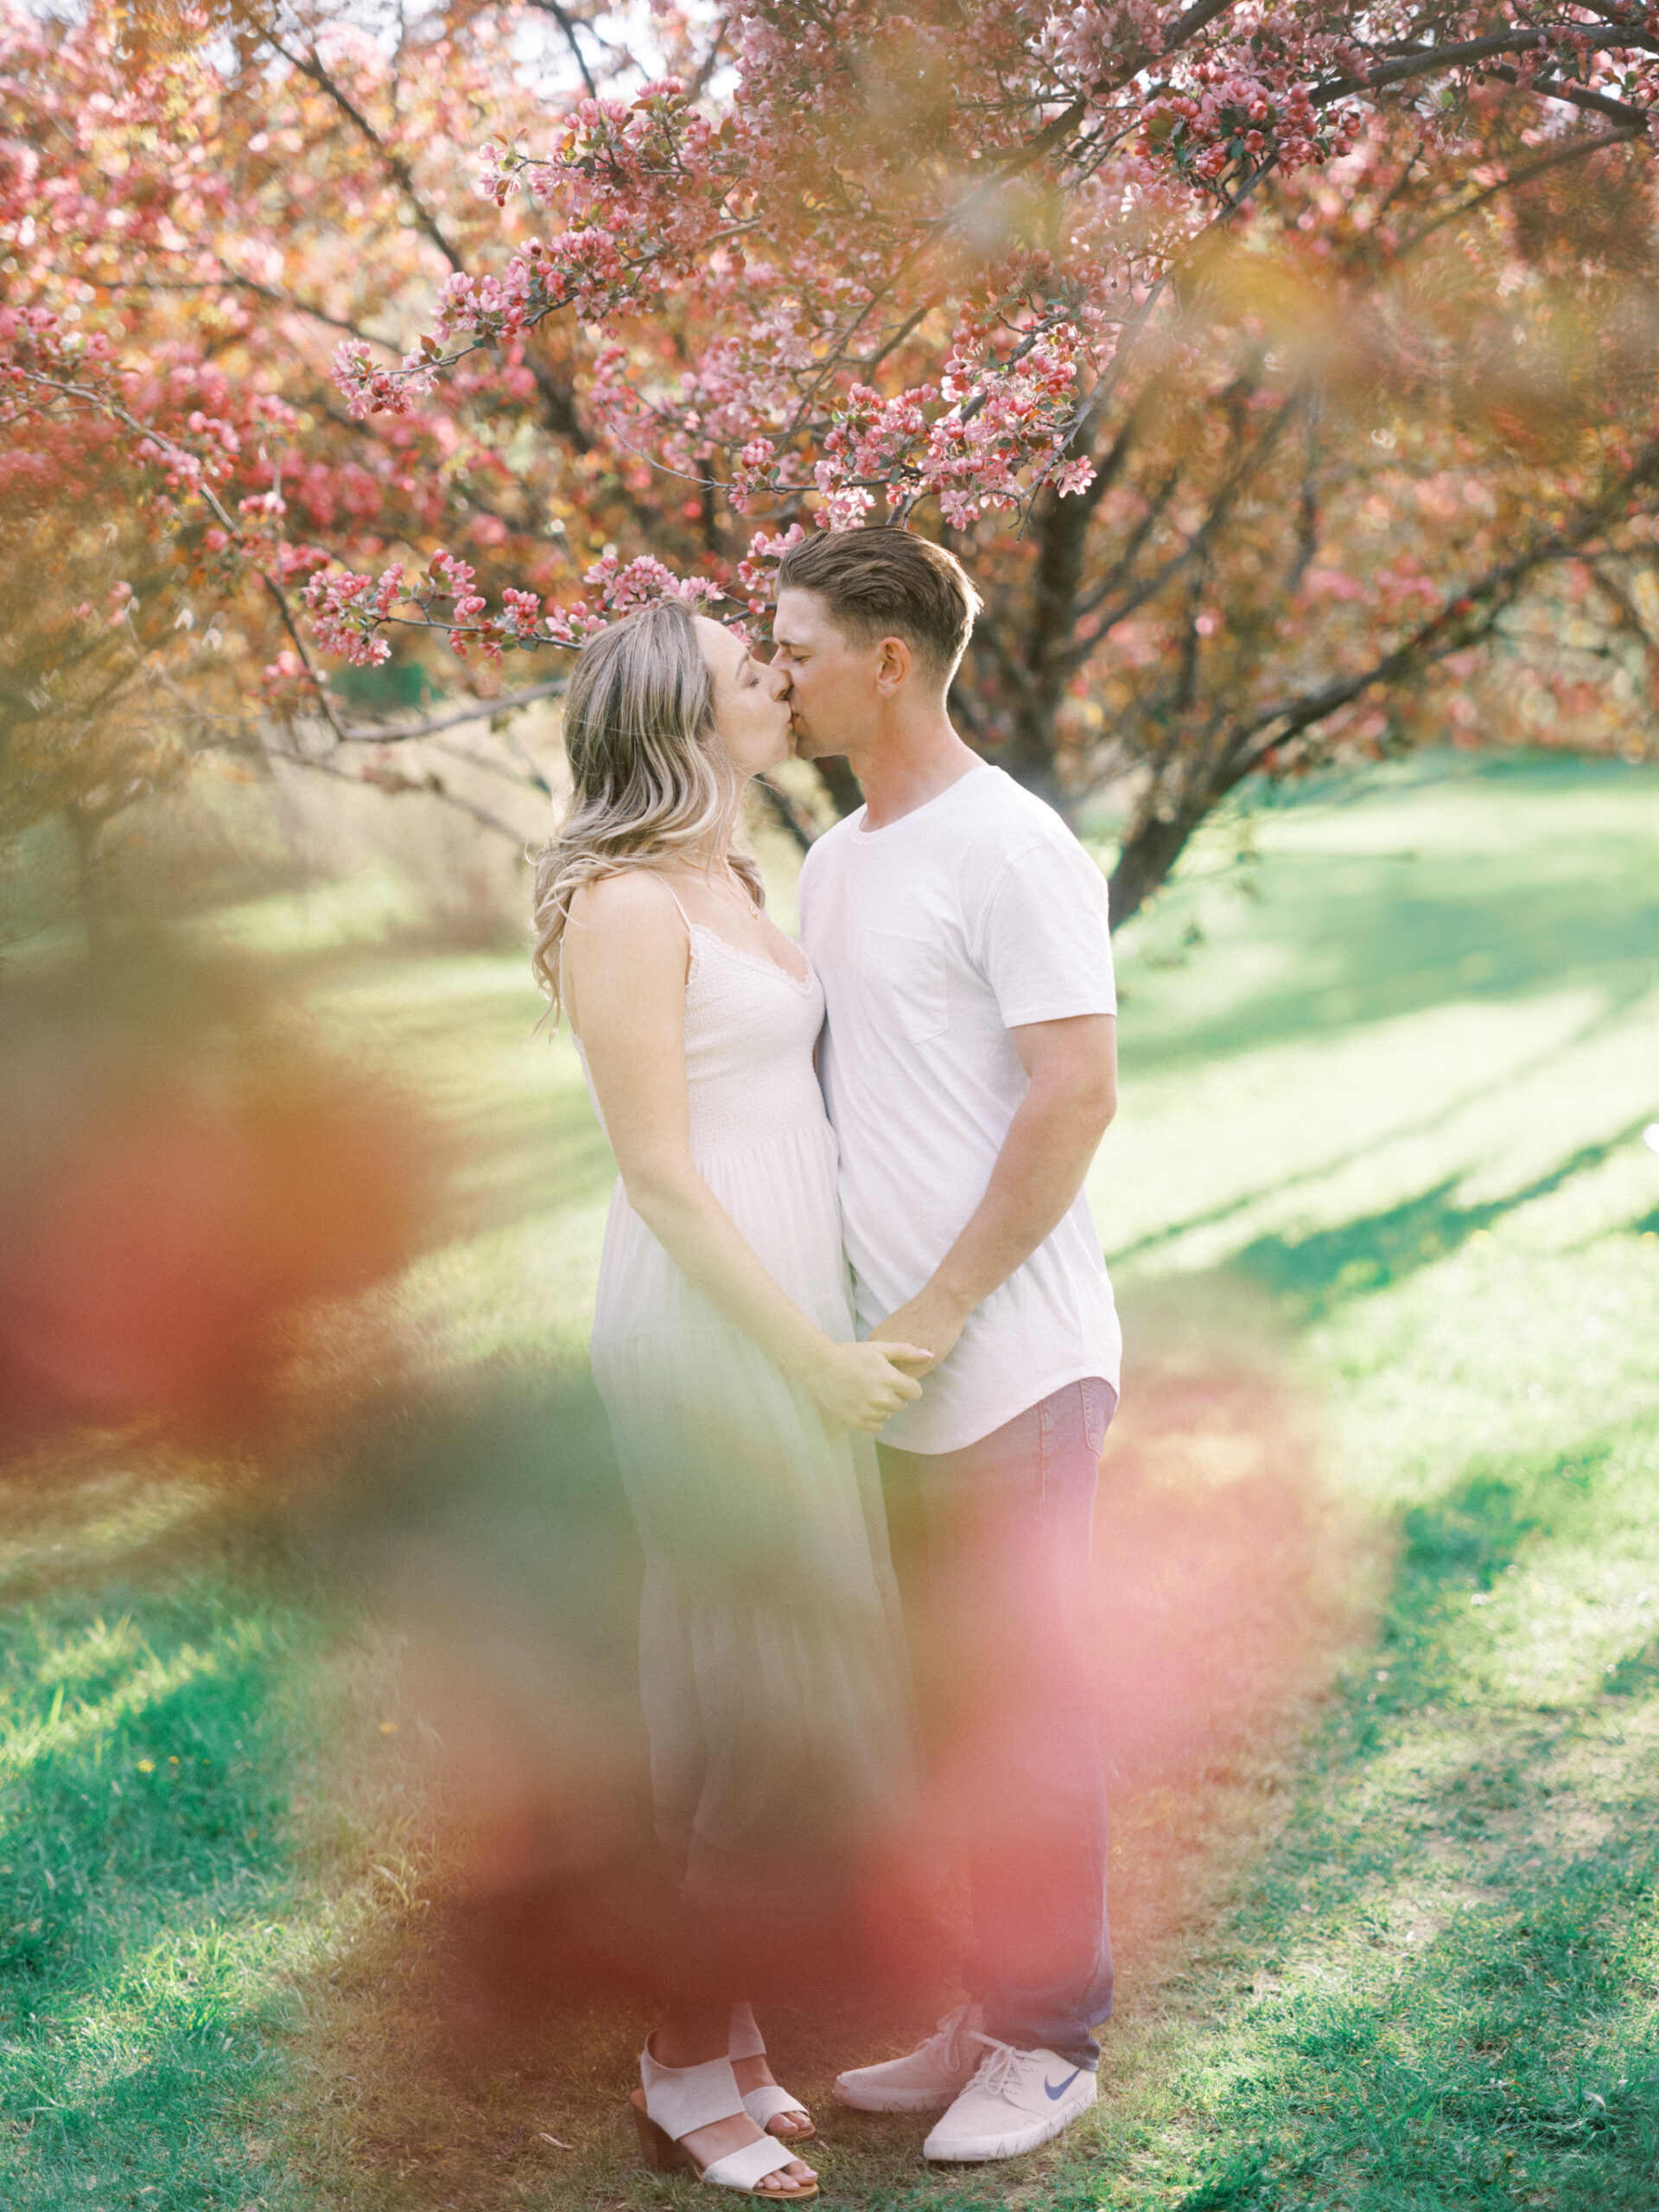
x=1377 y=1250
x=1397 y=935
x=1320 y=1170
x=1511 y=2058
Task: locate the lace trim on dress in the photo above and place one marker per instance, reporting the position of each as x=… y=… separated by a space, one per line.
x=802 y=983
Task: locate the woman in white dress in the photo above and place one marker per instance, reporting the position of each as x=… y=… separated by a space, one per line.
x=742 y=1406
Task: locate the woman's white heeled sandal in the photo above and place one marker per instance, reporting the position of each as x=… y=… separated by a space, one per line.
x=674 y=2101
x=765 y=2105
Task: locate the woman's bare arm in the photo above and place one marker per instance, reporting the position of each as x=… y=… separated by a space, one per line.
x=624 y=967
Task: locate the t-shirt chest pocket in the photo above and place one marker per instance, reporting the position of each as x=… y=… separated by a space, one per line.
x=906 y=977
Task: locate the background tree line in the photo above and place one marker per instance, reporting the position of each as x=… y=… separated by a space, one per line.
x=1285 y=377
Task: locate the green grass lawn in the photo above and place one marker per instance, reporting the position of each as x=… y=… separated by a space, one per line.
x=1387 y=1240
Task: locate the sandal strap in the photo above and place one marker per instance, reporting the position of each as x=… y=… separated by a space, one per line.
x=744 y=2040
x=763 y=2104
x=742 y=2169
x=682 y=2098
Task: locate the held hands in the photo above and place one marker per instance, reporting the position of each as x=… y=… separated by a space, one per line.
x=933 y=1317
x=861 y=1384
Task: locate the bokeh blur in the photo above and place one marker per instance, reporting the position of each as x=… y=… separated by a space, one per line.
x=327 y=1791
x=328 y=1878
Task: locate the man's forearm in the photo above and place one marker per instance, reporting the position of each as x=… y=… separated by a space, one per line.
x=1038 y=1171
x=1072 y=1069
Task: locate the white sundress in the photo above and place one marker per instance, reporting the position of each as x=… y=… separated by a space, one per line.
x=771 y=1665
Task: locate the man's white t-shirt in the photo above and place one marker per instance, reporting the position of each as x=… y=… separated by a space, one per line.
x=934 y=935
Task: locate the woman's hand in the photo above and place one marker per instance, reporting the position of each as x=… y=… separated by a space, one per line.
x=861 y=1384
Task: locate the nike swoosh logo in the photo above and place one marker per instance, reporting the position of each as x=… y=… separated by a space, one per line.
x=1056 y=2095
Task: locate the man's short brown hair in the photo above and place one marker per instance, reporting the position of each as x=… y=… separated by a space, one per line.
x=886 y=582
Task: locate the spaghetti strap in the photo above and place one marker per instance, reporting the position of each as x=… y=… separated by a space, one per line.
x=674 y=895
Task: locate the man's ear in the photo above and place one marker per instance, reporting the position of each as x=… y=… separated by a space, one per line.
x=893 y=665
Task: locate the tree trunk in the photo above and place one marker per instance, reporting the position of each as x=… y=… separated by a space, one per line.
x=1150 y=851
x=846 y=794
x=83 y=826
x=1030 y=762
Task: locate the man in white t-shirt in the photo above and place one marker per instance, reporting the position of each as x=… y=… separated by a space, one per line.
x=969 y=1068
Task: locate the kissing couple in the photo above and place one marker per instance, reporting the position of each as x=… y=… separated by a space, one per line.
x=850 y=1206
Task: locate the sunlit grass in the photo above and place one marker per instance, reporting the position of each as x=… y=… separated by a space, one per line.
x=1384 y=1082
x=143 y=1768
x=373 y=903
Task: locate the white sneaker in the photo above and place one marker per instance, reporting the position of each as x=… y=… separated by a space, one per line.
x=924 y=2078
x=1016 y=2100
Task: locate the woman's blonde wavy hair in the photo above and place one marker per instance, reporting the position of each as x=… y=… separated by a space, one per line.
x=652 y=780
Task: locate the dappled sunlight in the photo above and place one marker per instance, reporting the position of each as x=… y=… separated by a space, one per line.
x=1317 y=1267
x=1375 y=1621
x=1457 y=1930
x=147 y=1915
x=366 y=908
x=1505 y=1347
x=108 y=1521
x=524 y=1292
x=1396 y=1106
x=463 y=1034
x=1446 y=806
x=214 y=1978
x=150 y=1682
x=1410 y=923
x=1550 y=1625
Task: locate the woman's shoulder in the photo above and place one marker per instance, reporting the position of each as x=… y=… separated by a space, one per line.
x=630 y=899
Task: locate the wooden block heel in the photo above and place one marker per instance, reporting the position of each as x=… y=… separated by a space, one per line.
x=660 y=2151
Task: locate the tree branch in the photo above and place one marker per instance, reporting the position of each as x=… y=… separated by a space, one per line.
x=1440 y=634
x=229 y=282
x=552 y=8
x=432 y=787
x=786 y=813
x=312 y=66
x=1559 y=159
x=484 y=710
x=1220 y=507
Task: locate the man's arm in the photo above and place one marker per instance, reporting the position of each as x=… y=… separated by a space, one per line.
x=1073 y=1065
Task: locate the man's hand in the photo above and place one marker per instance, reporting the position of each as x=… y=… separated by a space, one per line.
x=933 y=1318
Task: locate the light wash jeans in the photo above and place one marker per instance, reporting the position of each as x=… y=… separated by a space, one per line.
x=991 y=1543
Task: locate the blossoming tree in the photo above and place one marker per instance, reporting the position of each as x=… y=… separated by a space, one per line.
x=1280 y=368
x=186 y=234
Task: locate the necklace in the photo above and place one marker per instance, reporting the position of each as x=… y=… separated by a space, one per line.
x=743 y=890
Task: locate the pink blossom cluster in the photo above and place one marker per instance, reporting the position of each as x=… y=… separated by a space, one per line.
x=613 y=151
x=1090 y=44
x=189 y=430
x=641 y=186
x=997 y=424
x=369 y=390
x=1232 y=123
x=346 y=611
x=809 y=289
x=733 y=400
x=622 y=586
x=758 y=571
x=652 y=194
x=33 y=341
x=349 y=611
